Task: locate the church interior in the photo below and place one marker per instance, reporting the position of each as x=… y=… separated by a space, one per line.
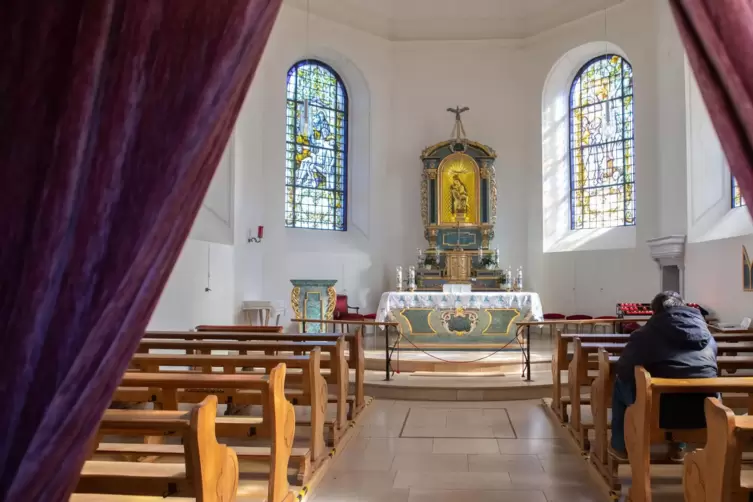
x=370 y=251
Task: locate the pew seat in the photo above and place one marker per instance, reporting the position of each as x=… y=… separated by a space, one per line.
x=106 y=497
x=299 y=457
x=209 y=471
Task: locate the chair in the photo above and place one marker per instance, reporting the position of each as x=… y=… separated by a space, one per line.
x=553 y=317
x=629 y=327
x=606 y=325
x=579 y=317
x=342 y=311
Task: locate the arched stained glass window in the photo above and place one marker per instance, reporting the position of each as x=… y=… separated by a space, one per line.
x=317 y=148
x=737 y=196
x=602 y=149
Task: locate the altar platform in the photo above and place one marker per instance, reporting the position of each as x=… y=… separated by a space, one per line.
x=446 y=375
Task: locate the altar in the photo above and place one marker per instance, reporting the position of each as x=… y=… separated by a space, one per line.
x=458 y=320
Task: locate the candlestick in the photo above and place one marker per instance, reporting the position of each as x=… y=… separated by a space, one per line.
x=412 y=278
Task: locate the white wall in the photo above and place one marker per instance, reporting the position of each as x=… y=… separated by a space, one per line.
x=582 y=280
x=185 y=302
x=398 y=95
x=355 y=258
x=432 y=76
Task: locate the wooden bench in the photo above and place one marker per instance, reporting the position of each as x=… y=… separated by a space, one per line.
x=239 y=328
x=102 y=477
x=601 y=402
x=578 y=377
x=167 y=389
x=312 y=393
x=337 y=378
x=209 y=471
x=715 y=474
x=561 y=361
x=354 y=341
x=642 y=427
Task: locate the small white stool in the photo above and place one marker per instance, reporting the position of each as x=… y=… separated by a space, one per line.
x=262 y=309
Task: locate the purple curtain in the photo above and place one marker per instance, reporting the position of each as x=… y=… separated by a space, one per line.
x=113 y=117
x=718 y=37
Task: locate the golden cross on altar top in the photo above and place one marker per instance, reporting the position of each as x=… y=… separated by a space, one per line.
x=458 y=131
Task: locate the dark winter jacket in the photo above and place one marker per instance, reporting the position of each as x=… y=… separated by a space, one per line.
x=675 y=343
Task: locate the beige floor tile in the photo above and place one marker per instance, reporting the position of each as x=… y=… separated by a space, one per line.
x=504 y=463
x=380 y=431
x=384 y=495
x=468 y=446
x=563 y=463
x=451 y=480
x=352 y=482
x=426 y=417
x=533 y=446
x=447 y=432
x=542 y=479
x=578 y=494
x=476 y=496
x=429 y=462
x=367 y=460
x=395 y=445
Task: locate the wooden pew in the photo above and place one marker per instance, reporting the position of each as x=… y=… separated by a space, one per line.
x=98 y=476
x=715 y=474
x=601 y=402
x=578 y=377
x=642 y=420
x=209 y=471
x=239 y=328
x=561 y=362
x=312 y=393
x=337 y=378
x=354 y=341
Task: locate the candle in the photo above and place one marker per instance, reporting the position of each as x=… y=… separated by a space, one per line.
x=260 y=232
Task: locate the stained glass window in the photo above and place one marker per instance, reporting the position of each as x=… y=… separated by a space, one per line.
x=602 y=149
x=737 y=196
x=317 y=148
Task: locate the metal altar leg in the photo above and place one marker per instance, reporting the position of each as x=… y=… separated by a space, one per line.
x=528 y=352
x=387 y=352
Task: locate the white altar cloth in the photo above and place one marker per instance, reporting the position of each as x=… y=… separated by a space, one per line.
x=523 y=301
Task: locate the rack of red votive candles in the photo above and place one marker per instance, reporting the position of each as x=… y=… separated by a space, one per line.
x=644 y=309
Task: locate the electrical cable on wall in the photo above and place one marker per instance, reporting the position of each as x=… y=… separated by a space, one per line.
x=209 y=269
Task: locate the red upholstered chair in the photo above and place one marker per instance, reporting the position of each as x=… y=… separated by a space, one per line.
x=580 y=317
x=629 y=327
x=342 y=311
x=553 y=317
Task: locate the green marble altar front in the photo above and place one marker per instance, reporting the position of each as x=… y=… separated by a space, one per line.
x=313 y=299
x=458 y=325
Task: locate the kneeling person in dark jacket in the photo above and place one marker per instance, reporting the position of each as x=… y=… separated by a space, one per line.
x=674 y=343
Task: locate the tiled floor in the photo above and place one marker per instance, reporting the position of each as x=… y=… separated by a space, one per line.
x=414 y=451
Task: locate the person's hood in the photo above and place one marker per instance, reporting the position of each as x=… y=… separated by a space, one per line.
x=682 y=327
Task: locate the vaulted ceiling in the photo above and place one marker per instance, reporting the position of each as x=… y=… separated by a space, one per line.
x=453 y=19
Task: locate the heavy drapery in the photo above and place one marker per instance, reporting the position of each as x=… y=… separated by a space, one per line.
x=113 y=117
x=718 y=38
